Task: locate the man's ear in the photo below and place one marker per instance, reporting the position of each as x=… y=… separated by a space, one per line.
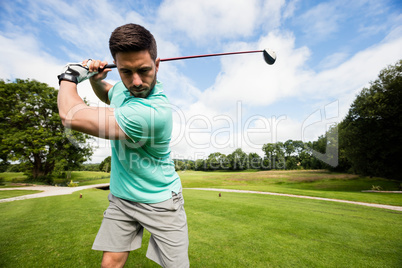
x=157 y=61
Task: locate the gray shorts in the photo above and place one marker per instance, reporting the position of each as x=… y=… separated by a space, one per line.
x=124 y=221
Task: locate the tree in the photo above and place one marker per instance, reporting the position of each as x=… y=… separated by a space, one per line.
x=31 y=131
x=200 y=164
x=275 y=155
x=371 y=132
x=106 y=164
x=4 y=164
x=289 y=148
x=215 y=161
x=319 y=146
x=299 y=147
x=306 y=159
x=254 y=160
x=190 y=165
x=179 y=165
x=238 y=160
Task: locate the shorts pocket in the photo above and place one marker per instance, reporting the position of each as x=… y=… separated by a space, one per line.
x=177 y=200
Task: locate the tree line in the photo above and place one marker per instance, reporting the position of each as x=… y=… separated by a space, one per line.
x=367 y=141
x=280 y=155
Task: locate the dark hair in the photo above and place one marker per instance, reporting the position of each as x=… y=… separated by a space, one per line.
x=132 y=37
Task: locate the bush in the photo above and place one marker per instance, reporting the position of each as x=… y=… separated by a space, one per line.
x=46 y=179
x=72 y=184
x=376 y=188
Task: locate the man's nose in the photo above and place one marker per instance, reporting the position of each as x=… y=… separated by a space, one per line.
x=137 y=81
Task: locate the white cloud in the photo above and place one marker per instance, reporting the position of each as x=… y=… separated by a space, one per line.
x=23 y=58
x=180 y=88
x=102 y=149
x=320 y=21
x=345 y=19
x=333 y=60
x=356 y=72
x=87 y=28
x=290 y=8
x=249 y=134
x=269 y=16
x=249 y=80
x=206 y=20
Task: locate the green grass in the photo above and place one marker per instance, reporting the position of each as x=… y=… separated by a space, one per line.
x=14 y=193
x=82 y=176
x=251 y=230
x=92 y=182
x=318 y=183
x=235 y=230
x=13 y=176
x=88 y=177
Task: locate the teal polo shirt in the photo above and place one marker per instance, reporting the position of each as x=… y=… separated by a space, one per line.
x=142 y=169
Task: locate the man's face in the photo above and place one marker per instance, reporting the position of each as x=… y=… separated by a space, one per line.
x=137 y=71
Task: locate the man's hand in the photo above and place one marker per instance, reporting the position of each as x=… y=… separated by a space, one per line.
x=78 y=72
x=97 y=66
x=100 y=87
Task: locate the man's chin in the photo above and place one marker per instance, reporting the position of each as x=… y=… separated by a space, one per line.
x=141 y=93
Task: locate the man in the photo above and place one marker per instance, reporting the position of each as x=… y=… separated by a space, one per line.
x=145 y=190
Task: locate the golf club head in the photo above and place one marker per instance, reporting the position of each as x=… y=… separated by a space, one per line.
x=269 y=56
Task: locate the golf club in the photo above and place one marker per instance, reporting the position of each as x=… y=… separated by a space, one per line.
x=269 y=56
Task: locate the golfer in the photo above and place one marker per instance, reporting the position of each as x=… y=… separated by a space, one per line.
x=145 y=190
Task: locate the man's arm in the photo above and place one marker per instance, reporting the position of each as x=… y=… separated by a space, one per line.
x=99 y=86
x=77 y=115
x=101 y=89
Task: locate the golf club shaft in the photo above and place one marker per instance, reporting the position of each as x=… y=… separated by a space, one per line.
x=199 y=56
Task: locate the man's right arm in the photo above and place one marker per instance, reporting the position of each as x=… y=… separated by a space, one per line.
x=76 y=114
x=99 y=86
x=101 y=89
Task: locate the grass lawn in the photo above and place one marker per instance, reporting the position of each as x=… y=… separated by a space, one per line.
x=235 y=230
x=14 y=193
x=82 y=177
x=319 y=183
x=88 y=177
x=13 y=176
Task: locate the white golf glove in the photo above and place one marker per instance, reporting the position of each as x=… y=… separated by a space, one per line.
x=76 y=72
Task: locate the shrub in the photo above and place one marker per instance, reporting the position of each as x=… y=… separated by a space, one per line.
x=72 y=184
x=376 y=188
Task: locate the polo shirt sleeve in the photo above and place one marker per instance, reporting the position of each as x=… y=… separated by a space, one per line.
x=110 y=93
x=135 y=119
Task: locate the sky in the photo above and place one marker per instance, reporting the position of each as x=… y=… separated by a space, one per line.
x=327 y=52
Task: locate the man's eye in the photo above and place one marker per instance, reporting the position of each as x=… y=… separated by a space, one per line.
x=143 y=71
